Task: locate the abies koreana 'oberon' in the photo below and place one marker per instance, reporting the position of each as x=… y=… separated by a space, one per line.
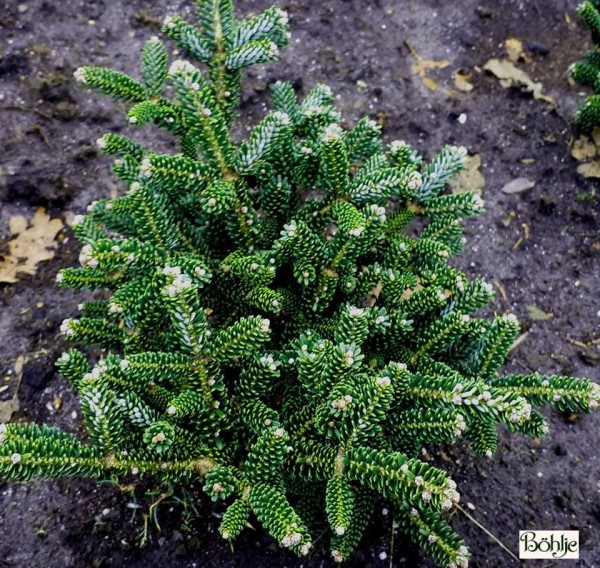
x=267 y=323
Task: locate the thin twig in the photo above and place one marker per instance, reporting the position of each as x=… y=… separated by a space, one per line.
x=392 y=543
x=486 y=531
x=27 y=109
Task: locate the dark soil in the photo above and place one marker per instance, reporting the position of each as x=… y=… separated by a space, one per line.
x=360 y=48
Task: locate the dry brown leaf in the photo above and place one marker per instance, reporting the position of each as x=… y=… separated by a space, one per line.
x=423 y=66
x=538 y=315
x=32 y=244
x=471 y=178
x=583 y=148
x=462 y=81
x=512 y=76
x=518 y=185
x=514 y=49
x=9 y=406
x=589 y=169
x=430 y=83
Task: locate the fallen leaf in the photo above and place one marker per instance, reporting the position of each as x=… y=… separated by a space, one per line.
x=423 y=66
x=10 y=405
x=590 y=169
x=538 y=315
x=583 y=148
x=471 y=178
x=462 y=81
x=512 y=76
x=518 y=185
x=32 y=244
x=430 y=83
x=514 y=49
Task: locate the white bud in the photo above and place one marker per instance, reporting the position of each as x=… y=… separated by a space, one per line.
x=281 y=117
x=146 y=167
x=478 y=203
x=79 y=75
x=356 y=312
x=282 y=16
x=397 y=145
x=66 y=327
x=332 y=133
x=273 y=50
x=384 y=381
x=168 y=22
x=305 y=548
x=356 y=232
x=180 y=65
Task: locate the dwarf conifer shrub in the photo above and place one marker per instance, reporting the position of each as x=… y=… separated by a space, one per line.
x=587 y=71
x=267 y=323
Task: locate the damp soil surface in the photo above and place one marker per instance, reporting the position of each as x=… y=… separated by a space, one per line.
x=540 y=247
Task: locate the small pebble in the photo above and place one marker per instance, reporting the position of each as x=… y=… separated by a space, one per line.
x=471 y=506
x=462 y=118
x=382 y=555
x=22 y=8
